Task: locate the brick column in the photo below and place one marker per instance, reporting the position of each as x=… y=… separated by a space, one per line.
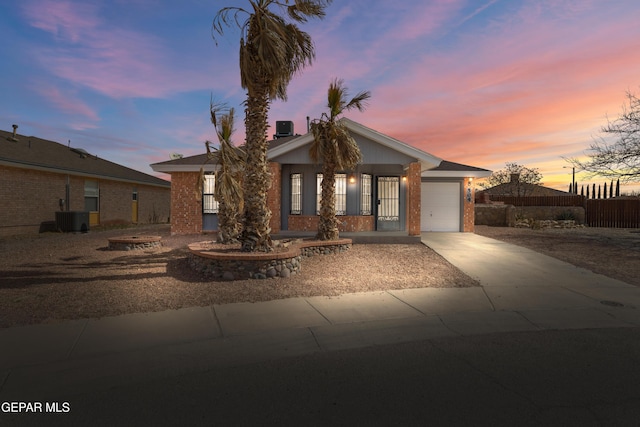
x=274 y=197
x=468 y=201
x=186 y=203
x=413 y=199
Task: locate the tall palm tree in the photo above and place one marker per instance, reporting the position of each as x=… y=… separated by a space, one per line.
x=272 y=50
x=228 y=178
x=334 y=146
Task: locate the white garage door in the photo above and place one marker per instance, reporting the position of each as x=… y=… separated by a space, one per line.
x=440 y=203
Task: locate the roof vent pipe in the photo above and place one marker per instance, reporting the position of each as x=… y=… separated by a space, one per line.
x=13 y=137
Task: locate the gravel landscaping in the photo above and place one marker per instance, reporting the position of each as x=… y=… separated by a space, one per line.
x=52 y=277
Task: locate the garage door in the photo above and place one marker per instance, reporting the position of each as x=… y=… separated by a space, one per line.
x=440 y=203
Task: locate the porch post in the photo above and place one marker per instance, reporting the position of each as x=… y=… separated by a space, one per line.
x=274 y=197
x=413 y=199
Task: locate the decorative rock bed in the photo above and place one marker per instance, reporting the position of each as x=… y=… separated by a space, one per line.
x=132 y=243
x=539 y=224
x=284 y=261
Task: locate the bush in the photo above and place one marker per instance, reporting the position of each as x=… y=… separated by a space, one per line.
x=566 y=216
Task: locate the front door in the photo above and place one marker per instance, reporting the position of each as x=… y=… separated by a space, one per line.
x=388 y=206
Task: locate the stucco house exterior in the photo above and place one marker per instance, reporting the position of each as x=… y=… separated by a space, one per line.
x=39 y=178
x=397 y=187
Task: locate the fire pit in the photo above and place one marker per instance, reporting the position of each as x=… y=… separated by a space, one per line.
x=133 y=243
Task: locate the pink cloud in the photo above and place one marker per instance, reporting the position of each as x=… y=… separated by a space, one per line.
x=70 y=104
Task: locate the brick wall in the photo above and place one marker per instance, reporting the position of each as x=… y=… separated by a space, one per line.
x=468 y=203
x=186 y=203
x=30 y=198
x=413 y=199
x=348 y=223
x=274 y=197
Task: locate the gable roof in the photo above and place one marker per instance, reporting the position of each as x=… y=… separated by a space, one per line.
x=522 y=188
x=427 y=161
x=431 y=166
x=30 y=152
x=450 y=169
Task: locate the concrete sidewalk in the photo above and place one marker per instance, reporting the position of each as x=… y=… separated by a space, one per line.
x=521 y=291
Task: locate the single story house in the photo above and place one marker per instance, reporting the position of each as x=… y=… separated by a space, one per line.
x=396 y=188
x=41 y=177
x=517 y=188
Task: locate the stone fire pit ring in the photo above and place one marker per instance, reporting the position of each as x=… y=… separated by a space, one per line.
x=134 y=243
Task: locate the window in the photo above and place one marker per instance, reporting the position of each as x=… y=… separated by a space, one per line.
x=341 y=193
x=91 y=195
x=209 y=203
x=296 y=194
x=365 y=191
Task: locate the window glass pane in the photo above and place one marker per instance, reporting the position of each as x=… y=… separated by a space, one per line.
x=91 y=204
x=318 y=192
x=365 y=205
x=296 y=194
x=91 y=188
x=341 y=193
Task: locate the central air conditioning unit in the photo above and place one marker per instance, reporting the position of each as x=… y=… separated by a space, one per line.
x=72 y=221
x=284 y=128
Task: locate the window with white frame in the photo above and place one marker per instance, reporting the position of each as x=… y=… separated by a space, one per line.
x=296 y=194
x=91 y=195
x=341 y=193
x=365 y=194
x=209 y=203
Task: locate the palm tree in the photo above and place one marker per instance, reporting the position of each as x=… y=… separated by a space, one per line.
x=272 y=50
x=228 y=178
x=334 y=146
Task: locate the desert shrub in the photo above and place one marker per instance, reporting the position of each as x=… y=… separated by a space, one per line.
x=566 y=216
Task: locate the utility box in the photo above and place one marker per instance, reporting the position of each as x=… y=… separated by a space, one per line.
x=284 y=129
x=72 y=221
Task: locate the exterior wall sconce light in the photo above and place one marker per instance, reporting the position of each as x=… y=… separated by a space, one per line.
x=352 y=179
x=404 y=178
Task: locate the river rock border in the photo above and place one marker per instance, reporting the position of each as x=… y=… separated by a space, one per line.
x=133 y=243
x=240 y=266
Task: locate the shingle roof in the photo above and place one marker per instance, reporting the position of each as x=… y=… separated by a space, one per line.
x=522 y=188
x=457 y=167
x=34 y=153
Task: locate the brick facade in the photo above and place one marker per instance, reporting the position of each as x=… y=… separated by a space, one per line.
x=468 y=203
x=413 y=199
x=30 y=198
x=346 y=223
x=274 y=196
x=186 y=203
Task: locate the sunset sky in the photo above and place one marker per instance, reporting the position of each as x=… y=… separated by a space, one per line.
x=475 y=82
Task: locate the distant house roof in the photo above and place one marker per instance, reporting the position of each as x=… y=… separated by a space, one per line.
x=517 y=188
x=30 y=152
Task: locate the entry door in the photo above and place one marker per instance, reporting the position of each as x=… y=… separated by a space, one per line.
x=134 y=207
x=388 y=209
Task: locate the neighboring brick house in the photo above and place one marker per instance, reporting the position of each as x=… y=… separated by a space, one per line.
x=39 y=178
x=396 y=188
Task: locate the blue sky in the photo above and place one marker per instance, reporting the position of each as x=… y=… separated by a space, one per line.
x=475 y=82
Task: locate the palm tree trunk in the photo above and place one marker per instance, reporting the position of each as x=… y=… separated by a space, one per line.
x=256 y=231
x=328 y=223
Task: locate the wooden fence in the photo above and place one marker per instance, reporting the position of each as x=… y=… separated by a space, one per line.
x=614 y=213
